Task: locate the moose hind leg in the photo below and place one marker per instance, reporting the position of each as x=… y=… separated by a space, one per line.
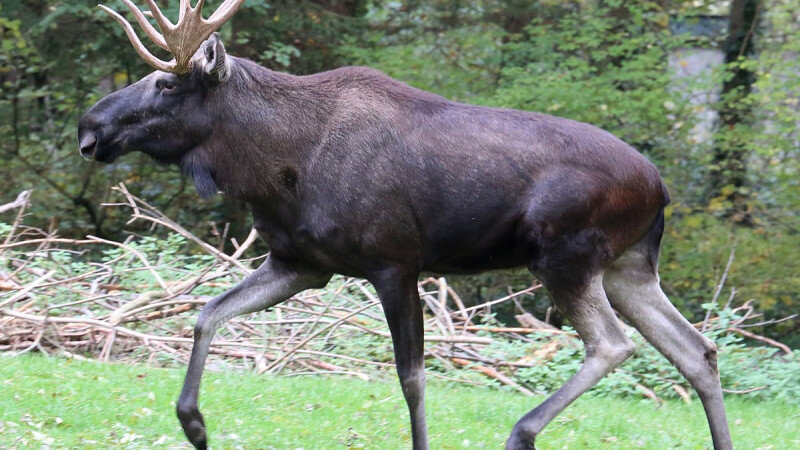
x=606 y=345
x=632 y=286
x=272 y=283
x=403 y=310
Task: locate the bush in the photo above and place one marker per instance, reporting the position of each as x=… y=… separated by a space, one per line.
x=764 y=370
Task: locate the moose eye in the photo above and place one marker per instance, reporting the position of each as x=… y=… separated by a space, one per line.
x=165 y=86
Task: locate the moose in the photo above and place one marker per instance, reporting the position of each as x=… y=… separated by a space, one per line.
x=352 y=172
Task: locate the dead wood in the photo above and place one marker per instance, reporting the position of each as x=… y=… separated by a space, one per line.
x=99 y=313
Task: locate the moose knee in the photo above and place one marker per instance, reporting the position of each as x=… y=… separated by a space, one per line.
x=412 y=381
x=711 y=354
x=702 y=369
x=205 y=326
x=200 y=328
x=612 y=354
x=189 y=416
x=186 y=411
x=627 y=350
x=204 y=329
x=707 y=357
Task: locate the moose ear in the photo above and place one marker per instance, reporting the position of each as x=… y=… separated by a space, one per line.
x=216 y=66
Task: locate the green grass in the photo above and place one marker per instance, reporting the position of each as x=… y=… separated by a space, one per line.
x=77 y=404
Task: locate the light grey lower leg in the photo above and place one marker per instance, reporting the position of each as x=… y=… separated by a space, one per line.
x=634 y=291
x=273 y=282
x=606 y=344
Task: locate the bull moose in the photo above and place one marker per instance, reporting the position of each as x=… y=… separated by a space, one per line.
x=352 y=172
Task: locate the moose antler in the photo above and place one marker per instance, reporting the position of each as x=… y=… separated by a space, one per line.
x=181 y=39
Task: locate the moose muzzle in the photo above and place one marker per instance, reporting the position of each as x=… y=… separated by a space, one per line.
x=87 y=142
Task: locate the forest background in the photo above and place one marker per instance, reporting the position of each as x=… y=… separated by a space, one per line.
x=707 y=90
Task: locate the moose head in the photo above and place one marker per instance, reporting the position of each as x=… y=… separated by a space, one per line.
x=168 y=113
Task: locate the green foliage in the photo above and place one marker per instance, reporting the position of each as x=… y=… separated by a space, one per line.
x=170 y=258
x=57 y=59
x=613 y=64
x=460 y=62
x=741 y=368
x=696 y=250
x=608 y=63
x=554 y=358
x=615 y=58
x=776 y=96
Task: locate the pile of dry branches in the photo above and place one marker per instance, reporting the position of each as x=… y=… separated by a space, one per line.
x=338 y=330
x=98 y=298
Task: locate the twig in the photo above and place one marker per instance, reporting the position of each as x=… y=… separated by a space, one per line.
x=682 y=392
x=503 y=299
x=518 y=330
x=745 y=391
x=786 y=350
x=647 y=392
x=493 y=373
x=28 y=288
x=163 y=220
x=720 y=285
x=304 y=341
x=21 y=203
x=21 y=200
x=139 y=255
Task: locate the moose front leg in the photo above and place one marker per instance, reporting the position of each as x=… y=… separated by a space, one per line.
x=273 y=282
x=401 y=305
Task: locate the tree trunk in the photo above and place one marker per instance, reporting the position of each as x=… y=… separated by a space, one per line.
x=729 y=164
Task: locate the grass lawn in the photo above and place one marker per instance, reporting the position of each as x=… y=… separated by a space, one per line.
x=79 y=404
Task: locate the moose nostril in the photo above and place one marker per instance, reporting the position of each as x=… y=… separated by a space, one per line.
x=87 y=145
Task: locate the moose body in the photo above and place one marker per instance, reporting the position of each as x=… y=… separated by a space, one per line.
x=352 y=172
x=361 y=172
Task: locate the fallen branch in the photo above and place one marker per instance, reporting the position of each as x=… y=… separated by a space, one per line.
x=519 y=330
x=339 y=330
x=24 y=291
x=21 y=200
x=744 y=391
x=785 y=348
x=647 y=392
x=493 y=373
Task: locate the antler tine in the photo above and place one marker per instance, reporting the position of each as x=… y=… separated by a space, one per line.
x=184 y=7
x=183 y=38
x=154 y=35
x=137 y=44
x=161 y=20
x=225 y=11
x=199 y=7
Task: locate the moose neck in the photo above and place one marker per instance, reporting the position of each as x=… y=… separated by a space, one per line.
x=283 y=118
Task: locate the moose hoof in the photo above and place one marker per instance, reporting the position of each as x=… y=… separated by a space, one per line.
x=518 y=442
x=193 y=426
